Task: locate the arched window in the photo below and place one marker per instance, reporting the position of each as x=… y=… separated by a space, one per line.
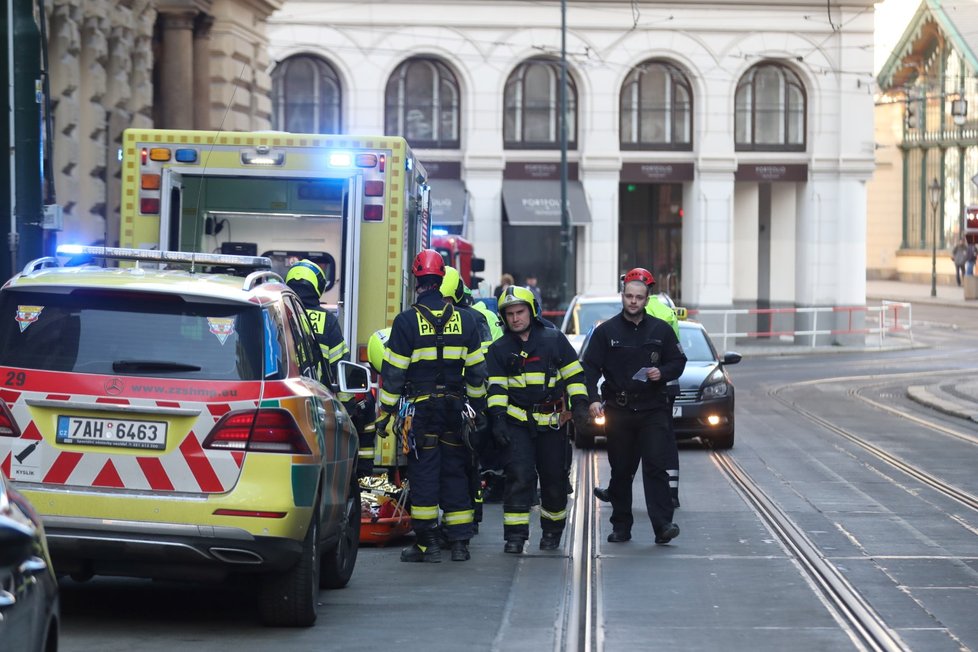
x=306 y=95
x=656 y=108
x=422 y=104
x=770 y=110
x=531 y=106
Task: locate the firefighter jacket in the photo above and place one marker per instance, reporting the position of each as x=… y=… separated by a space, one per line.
x=620 y=349
x=527 y=379
x=495 y=323
x=433 y=350
x=485 y=335
x=327 y=326
x=656 y=308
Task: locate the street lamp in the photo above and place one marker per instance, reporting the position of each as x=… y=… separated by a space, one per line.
x=935 y=199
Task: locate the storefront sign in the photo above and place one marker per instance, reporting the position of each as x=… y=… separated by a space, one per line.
x=656 y=172
x=542 y=170
x=443 y=169
x=771 y=172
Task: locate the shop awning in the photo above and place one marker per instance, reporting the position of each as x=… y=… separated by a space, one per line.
x=447 y=202
x=537 y=203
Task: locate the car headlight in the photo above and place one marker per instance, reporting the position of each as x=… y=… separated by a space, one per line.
x=716 y=390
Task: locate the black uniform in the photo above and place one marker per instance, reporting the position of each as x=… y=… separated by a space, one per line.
x=527 y=381
x=637 y=412
x=426 y=379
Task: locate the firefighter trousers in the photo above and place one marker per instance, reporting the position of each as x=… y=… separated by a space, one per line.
x=640 y=436
x=438 y=469
x=534 y=452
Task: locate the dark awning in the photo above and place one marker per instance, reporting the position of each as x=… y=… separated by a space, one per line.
x=537 y=203
x=447 y=202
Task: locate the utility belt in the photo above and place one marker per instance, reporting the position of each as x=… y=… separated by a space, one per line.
x=633 y=400
x=545 y=407
x=417 y=392
x=545 y=414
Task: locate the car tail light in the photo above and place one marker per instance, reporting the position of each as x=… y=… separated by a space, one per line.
x=8 y=427
x=264 y=431
x=149 y=206
x=373 y=213
x=373 y=188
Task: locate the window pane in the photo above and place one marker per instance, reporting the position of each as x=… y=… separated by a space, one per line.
x=306 y=96
x=682 y=123
x=769 y=107
x=742 y=115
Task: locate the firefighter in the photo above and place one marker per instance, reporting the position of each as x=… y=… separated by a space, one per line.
x=495 y=323
x=432 y=362
x=376 y=344
x=529 y=369
x=308 y=281
x=657 y=307
x=637 y=354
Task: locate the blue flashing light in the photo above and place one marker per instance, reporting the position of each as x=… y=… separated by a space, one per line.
x=340 y=160
x=439 y=232
x=186 y=155
x=70 y=249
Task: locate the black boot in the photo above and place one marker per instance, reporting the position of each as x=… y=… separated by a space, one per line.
x=460 y=551
x=514 y=546
x=550 y=541
x=426 y=548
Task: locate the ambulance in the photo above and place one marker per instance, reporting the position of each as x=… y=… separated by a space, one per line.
x=357 y=205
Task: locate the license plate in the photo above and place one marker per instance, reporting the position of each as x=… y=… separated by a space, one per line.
x=677 y=411
x=123 y=433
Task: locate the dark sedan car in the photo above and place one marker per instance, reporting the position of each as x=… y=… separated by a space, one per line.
x=705 y=406
x=28 y=587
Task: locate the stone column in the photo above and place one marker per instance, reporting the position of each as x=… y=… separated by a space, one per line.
x=117 y=97
x=141 y=94
x=202 y=71
x=176 y=71
x=64 y=62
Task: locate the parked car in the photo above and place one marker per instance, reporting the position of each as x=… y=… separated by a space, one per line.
x=705 y=405
x=173 y=424
x=29 y=615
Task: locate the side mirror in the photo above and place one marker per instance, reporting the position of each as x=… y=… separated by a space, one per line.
x=353 y=378
x=731 y=357
x=478 y=265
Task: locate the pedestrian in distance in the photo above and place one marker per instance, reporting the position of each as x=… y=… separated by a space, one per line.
x=432 y=375
x=637 y=354
x=531 y=283
x=969 y=265
x=504 y=282
x=960 y=256
x=530 y=369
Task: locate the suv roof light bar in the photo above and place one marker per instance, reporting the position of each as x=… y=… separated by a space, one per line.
x=156 y=256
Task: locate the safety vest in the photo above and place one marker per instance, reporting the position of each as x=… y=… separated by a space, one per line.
x=656 y=308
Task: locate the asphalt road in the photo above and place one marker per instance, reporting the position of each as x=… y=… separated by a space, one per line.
x=807 y=436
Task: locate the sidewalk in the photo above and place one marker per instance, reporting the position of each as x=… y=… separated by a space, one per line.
x=947 y=295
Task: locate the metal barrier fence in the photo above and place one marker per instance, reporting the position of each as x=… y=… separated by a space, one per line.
x=889 y=318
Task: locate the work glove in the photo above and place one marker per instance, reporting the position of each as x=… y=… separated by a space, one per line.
x=481 y=422
x=500 y=432
x=382 y=425
x=581 y=416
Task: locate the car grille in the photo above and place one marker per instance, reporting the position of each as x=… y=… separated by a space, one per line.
x=688 y=395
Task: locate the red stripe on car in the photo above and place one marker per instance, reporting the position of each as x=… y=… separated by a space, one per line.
x=31 y=432
x=199 y=465
x=155 y=474
x=108 y=477
x=62 y=468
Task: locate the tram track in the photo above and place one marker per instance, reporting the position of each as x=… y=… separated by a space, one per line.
x=954 y=493
x=862 y=623
x=578 y=627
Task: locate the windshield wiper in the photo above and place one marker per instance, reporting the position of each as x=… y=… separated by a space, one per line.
x=152 y=365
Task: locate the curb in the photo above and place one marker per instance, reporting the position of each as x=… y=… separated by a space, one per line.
x=922 y=395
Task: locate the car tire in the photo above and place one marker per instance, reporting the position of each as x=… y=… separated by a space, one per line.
x=288 y=598
x=340 y=558
x=722 y=442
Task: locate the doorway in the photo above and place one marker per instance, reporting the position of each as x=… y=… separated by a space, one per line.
x=650 y=232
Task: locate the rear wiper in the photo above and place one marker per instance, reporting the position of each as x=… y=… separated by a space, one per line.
x=152 y=365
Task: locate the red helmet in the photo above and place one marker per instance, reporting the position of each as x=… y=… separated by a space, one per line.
x=428 y=262
x=639 y=274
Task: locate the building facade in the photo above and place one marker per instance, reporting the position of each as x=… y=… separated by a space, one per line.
x=724 y=146
x=927 y=138
x=115 y=64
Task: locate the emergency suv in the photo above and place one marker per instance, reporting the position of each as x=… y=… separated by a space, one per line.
x=172 y=422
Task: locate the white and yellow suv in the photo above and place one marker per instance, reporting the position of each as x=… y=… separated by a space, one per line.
x=172 y=423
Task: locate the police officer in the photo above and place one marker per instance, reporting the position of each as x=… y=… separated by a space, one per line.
x=656 y=307
x=432 y=362
x=529 y=369
x=637 y=354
